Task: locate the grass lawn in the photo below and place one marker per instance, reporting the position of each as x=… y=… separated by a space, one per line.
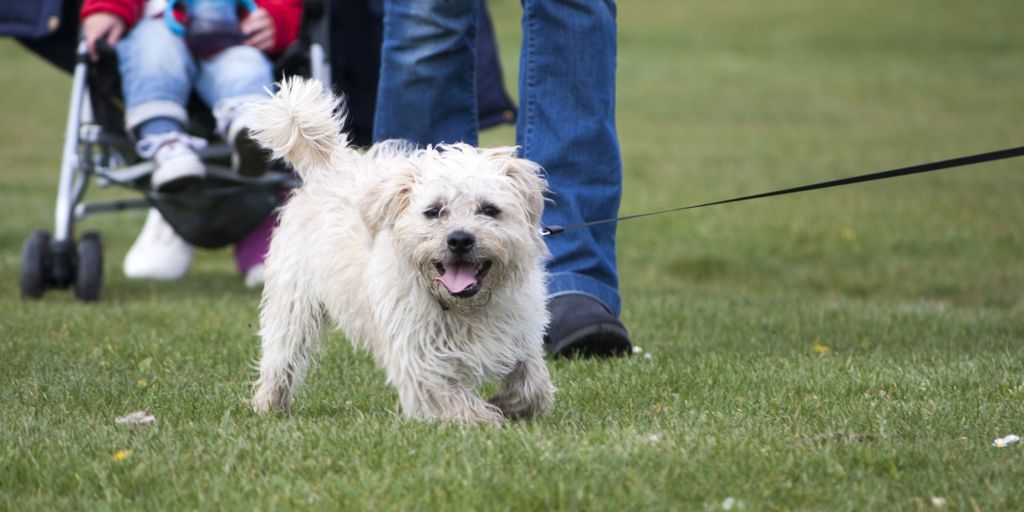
x=851 y=349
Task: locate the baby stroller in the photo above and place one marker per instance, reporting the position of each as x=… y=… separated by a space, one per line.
x=96 y=148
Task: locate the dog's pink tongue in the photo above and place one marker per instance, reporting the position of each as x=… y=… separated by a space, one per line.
x=458 y=277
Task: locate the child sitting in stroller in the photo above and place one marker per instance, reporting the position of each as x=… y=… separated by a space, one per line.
x=222 y=54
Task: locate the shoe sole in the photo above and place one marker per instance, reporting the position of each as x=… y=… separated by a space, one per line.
x=249 y=158
x=173 y=180
x=598 y=340
x=179 y=184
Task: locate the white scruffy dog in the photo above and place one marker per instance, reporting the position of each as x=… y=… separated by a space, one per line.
x=430 y=258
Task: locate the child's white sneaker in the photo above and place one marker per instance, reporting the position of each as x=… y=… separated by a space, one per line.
x=254 y=277
x=158 y=253
x=177 y=164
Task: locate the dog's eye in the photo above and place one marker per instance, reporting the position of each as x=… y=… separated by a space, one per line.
x=490 y=210
x=433 y=212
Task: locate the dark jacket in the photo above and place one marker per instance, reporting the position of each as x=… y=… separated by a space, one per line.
x=35 y=19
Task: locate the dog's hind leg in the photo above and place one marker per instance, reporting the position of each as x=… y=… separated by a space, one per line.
x=526 y=391
x=290 y=326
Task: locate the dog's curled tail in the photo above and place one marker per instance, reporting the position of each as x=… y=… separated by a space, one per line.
x=301 y=124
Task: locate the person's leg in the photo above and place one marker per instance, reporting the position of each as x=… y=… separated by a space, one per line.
x=227 y=81
x=427 y=89
x=567 y=125
x=156 y=76
x=234 y=76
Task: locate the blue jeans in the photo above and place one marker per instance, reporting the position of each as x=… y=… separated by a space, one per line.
x=158 y=73
x=566 y=120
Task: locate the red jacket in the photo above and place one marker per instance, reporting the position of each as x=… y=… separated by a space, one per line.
x=287 y=16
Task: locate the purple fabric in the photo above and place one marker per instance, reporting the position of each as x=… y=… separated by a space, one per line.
x=252 y=249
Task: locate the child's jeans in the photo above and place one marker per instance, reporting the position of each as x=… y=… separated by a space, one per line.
x=158 y=73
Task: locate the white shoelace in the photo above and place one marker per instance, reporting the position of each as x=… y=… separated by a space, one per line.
x=148 y=146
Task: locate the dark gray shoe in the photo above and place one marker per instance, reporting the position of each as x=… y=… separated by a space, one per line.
x=248 y=158
x=581 y=326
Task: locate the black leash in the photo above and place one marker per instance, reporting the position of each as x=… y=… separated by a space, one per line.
x=894 y=173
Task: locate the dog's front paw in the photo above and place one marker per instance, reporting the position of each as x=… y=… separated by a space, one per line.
x=474 y=412
x=485 y=414
x=516 y=405
x=491 y=420
x=270 y=398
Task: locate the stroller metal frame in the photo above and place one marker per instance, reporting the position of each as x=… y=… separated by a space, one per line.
x=91 y=151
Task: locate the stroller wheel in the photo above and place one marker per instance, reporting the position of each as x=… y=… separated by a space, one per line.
x=35 y=260
x=89 y=274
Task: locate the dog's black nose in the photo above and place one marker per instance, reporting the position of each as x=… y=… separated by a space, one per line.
x=461 y=242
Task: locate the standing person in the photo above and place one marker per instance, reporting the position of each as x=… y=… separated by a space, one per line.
x=566 y=124
x=223 y=56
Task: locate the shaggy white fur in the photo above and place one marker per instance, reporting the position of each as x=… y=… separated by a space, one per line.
x=431 y=259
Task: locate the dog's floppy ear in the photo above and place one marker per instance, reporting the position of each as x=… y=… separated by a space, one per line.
x=388 y=197
x=527 y=180
x=302 y=124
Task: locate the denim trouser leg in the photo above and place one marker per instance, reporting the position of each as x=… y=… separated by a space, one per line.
x=567 y=125
x=427 y=89
x=239 y=72
x=156 y=73
x=566 y=121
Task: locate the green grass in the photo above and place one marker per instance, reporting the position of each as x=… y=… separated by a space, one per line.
x=916 y=286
